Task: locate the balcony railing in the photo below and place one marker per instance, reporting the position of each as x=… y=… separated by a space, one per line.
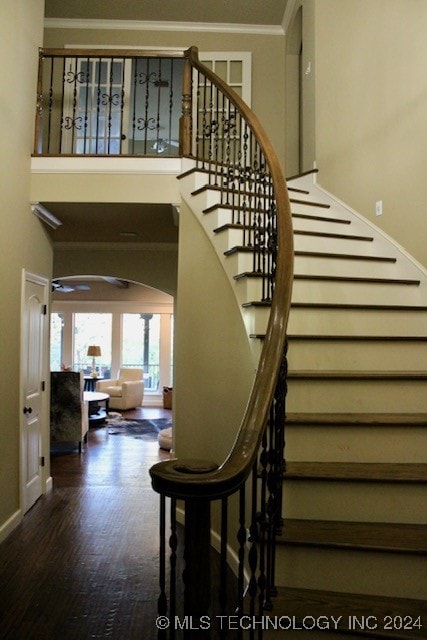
x=104 y=102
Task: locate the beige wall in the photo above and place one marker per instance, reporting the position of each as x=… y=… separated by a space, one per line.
x=371 y=111
x=24 y=243
x=214 y=366
x=268 y=62
x=156 y=268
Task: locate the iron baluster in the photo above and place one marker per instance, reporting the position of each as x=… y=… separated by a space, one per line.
x=162 y=604
x=173 y=544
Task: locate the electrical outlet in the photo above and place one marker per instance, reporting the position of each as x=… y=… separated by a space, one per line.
x=379 y=208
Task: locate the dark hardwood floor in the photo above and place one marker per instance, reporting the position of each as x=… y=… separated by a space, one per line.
x=83 y=563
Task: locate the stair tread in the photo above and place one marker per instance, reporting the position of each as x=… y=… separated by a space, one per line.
x=341 y=305
x=372 y=307
x=367 y=419
x=357 y=375
x=307 y=216
x=320 y=254
x=317 y=603
x=342 y=256
x=337 y=236
x=380 y=536
x=329 y=278
x=349 y=338
x=357 y=471
x=310 y=203
x=356 y=338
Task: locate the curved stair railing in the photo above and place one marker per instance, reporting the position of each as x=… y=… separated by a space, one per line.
x=227 y=143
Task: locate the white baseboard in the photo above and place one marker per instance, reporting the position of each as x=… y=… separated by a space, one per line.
x=232 y=557
x=48 y=485
x=7 y=527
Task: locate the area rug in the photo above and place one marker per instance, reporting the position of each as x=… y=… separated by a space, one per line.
x=139 y=429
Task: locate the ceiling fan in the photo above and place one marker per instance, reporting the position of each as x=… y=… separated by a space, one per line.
x=61 y=287
x=57 y=285
x=161 y=145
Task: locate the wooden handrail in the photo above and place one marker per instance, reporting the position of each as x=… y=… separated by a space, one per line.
x=204 y=479
x=109 y=53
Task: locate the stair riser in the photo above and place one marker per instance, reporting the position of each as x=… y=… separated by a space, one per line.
x=333 y=292
x=318 y=224
x=248 y=289
x=256 y=319
x=227 y=239
x=357 y=322
x=215 y=219
x=357 y=355
x=366 y=396
x=364 y=572
x=354 y=501
x=356 y=292
x=238 y=262
x=335 y=245
x=356 y=444
x=315 y=265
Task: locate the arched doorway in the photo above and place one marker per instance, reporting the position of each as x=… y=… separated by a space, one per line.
x=131 y=323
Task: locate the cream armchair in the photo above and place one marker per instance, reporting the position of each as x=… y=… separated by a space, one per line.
x=126 y=391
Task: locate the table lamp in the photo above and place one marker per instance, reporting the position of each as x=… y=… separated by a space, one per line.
x=95 y=352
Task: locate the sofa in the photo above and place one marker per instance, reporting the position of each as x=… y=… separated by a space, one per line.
x=126 y=391
x=69 y=419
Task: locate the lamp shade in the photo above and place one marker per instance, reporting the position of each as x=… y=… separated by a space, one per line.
x=93 y=350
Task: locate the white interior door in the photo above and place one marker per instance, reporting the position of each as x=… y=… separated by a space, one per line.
x=33 y=366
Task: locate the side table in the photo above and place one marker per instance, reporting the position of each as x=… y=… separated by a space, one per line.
x=97 y=414
x=90 y=382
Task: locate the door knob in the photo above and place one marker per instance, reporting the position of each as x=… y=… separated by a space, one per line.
x=28 y=410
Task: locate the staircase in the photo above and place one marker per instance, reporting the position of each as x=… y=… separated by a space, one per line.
x=354 y=540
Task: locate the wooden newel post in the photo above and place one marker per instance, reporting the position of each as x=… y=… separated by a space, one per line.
x=197 y=556
x=38 y=131
x=185 y=121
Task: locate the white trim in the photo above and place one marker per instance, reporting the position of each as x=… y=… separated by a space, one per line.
x=232 y=556
x=11 y=523
x=288 y=15
x=49 y=485
x=113 y=165
x=45 y=215
x=164 y=25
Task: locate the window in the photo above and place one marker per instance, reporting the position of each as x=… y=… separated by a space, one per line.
x=56 y=341
x=141 y=346
x=92 y=329
x=234 y=68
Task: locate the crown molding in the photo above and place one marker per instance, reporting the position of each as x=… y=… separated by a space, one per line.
x=291 y=6
x=163 y=25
